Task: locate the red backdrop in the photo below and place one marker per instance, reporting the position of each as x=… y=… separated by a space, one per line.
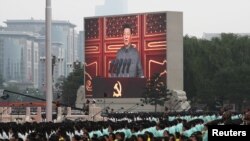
x=103 y=37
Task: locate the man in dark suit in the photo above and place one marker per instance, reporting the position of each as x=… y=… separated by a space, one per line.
x=128 y=61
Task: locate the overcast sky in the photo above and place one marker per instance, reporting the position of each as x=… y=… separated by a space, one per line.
x=199 y=16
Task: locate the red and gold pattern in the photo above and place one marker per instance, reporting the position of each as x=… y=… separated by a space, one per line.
x=113 y=26
x=92 y=29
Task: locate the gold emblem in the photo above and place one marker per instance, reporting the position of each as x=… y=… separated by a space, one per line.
x=117 y=89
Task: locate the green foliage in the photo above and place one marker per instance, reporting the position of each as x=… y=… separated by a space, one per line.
x=71 y=85
x=156 y=92
x=216 y=68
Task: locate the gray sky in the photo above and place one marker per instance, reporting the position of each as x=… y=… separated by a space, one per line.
x=199 y=16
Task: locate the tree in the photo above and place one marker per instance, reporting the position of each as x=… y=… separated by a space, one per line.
x=59 y=87
x=216 y=68
x=71 y=84
x=156 y=92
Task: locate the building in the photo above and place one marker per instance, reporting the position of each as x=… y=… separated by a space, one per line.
x=64 y=43
x=80 y=47
x=19 y=57
x=111 y=7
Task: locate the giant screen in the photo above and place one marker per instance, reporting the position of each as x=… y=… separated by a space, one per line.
x=107 y=75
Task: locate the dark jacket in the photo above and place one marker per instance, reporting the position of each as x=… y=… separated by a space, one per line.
x=131 y=63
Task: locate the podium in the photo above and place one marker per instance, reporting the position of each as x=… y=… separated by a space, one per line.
x=118 y=87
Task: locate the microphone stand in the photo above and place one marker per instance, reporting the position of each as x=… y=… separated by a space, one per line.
x=113 y=72
x=128 y=66
x=119 y=67
x=123 y=67
x=111 y=67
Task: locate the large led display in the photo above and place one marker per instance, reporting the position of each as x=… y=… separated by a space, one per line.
x=106 y=71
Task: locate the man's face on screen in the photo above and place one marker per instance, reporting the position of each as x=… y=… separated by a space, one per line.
x=127 y=36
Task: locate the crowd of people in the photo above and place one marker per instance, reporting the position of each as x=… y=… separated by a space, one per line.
x=182 y=126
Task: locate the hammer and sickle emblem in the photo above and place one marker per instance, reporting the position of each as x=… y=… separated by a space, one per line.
x=117 y=89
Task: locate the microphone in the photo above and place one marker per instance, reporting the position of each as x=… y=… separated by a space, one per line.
x=111 y=66
x=128 y=65
x=119 y=67
x=124 y=65
x=115 y=66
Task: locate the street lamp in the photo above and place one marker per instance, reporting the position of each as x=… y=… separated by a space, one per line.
x=54 y=60
x=32 y=91
x=60 y=65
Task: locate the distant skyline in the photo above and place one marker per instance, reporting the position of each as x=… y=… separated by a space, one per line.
x=199 y=16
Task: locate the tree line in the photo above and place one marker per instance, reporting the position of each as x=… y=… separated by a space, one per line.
x=217 y=69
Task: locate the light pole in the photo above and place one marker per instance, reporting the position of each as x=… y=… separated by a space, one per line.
x=69 y=67
x=48 y=62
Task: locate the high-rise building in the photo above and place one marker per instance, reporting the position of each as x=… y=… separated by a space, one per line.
x=19 y=57
x=64 y=44
x=80 y=46
x=111 y=7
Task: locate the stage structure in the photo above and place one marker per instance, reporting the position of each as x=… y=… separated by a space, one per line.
x=157 y=36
